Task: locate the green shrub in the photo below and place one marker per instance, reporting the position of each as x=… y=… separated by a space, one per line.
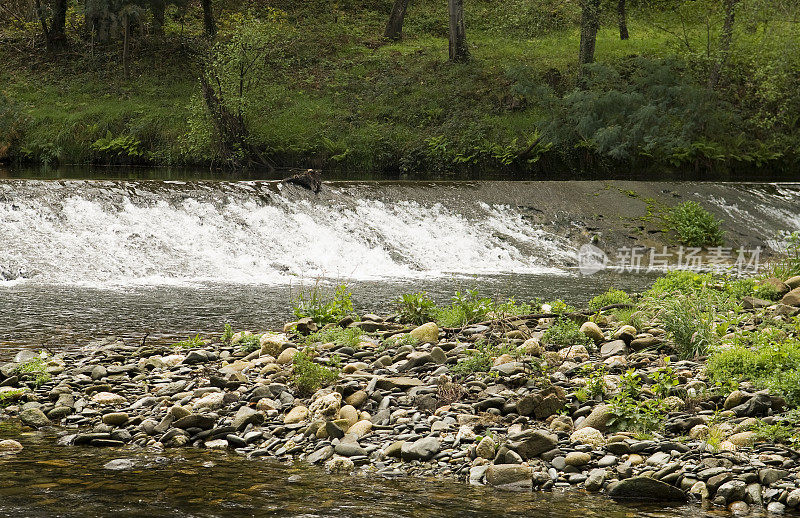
x=227 y=334
x=565 y=331
x=773 y=433
x=34 y=370
x=350 y=336
x=324 y=306
x=631 y=415
x=767 y=292
x=250 y=343
x=9 y=396
x=788 y=265
x=479 y=359
x=681 y=281
x=612 y=296
x=416 y=308
x=767 y=358
x=309 y=376
x=190 y=342
x=465 y=309
x=694 y=225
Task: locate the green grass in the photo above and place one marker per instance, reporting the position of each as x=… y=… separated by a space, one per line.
x=694 y=226
x=611 y=296
x=336 y=97
x=563 y=332
x=349 y=337
x=309 y=376
x=190 y=343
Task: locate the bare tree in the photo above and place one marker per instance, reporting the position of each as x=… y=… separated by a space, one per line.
x=458 y=36
x=394 y=28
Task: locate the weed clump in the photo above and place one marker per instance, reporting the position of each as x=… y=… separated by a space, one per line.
x=309 y=376
x=694 y=225
x=324 y=306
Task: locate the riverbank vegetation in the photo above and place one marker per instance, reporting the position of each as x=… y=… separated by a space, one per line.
x=705 y=85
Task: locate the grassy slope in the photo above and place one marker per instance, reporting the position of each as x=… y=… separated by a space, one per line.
x=345 y=99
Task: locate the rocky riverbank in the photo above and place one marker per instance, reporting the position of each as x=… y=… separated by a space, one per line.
x=401 y=400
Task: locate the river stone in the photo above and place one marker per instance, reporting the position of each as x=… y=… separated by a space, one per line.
x=402 y=383
x=394 y=449
x=646 y=489
x=271 y=343
x=793 y=282
x=34 y=418
x=320 y=455
x=532 y=443
x=597 y=419
x=613 y=348
x=776 y=508
x=593 y=331
x=645 y=342
x=503 y=474
x=349 y=449
x=588 y=435
x=532 y=347
x=357 y=398
x=204 y=422
x=349 y=414
x=486 y=448
x=561 y=423
x=768 y=476
x=326 y=406
x=360 y=429
x=10 y=446
x=108 y=399
x=339 y=465
x=426 y=333
x=421 y=449
x=625 y=333
x=735 y=398
x=297 y=414
x=573 y=351
x=792 y=298
x=286 y=356
x=119 y=464
x=438 y=355
x=731 y=491
x=743 y=438
x=115 y=418
x=245 y=416
x=216 y=444
x=577 y=458
x=595 y=480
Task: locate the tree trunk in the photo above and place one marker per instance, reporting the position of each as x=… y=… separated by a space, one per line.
x=209 y=25
x=158 y=8
x=394 y=28
x=125 y=30
x=589 y=23
x=623 y=20
x=726 y=38
x=458 y=35
x=55 y=33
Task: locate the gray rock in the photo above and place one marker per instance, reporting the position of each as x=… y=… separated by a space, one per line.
x=321 y=455
x=34 y=418
x=597 y=419
x=613 y=348
x=504 y=474
x=731 y=491
x=532 y=443
x=119 y=464
x=246 y=415
x=349 y=449
x=204 y=422
x=421 y=449
x=646 y=489
x=776 y=508
x=595 y=480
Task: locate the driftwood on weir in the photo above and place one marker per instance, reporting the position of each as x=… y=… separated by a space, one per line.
x=310 y=179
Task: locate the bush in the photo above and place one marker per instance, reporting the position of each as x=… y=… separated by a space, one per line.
x=349 y=337
x=190 y=342
x=34 y=370
x=694 y=225
x=565 y=331
x=416 y=308
x=479 y=359
x=680 y=281
x=467 y=308
x=789 y=265
x=322 y=306
x=612 y=296
x=250 y=343
x=309 y=376
x=766 y=358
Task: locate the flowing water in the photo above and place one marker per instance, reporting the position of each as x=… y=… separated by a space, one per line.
x=81 y=260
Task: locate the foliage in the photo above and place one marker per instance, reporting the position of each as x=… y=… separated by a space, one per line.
x=12 y=126
x=611 y=296
x=646 y=107
x=788 y=265
x=479 y=359
x=680 y=281
x=695 y=226
x=416 y=308
x=595 y=383
x=767 y=358
x=560 y=307
x=628 y=414
x=349 y=337
x=227 y=333
x=565 y=331
x=773 y=433
x=9 y=396
x=35 y=370
x=664 y=379
x=467 y=308
x=250 y=343
x=309 y=376
x=322 y=305
x=190 y=342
